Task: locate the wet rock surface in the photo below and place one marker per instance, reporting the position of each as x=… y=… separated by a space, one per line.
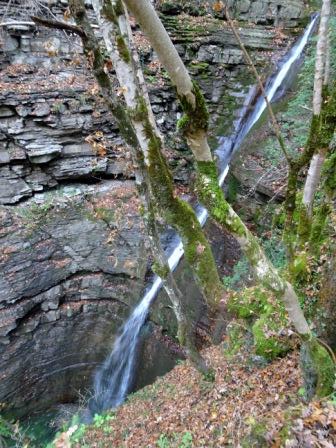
x=73 y=257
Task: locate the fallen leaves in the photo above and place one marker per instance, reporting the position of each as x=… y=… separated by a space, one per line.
x=216 y=414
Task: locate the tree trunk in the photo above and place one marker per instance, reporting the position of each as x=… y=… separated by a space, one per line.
x=197 y=249
x=195 y=125
x=138 y=131
x=321 y=78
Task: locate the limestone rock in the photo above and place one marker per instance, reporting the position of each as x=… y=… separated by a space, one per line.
x=43 y=151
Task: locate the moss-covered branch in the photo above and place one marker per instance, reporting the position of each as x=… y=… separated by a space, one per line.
x=136 y=127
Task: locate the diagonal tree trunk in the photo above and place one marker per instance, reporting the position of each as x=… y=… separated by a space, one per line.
x=195 y=124
x=118 y=38
x=137 y=129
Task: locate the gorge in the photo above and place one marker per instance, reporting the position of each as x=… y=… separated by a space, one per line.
x=73 y=253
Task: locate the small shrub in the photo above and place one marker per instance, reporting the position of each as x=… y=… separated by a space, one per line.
x=163 y=441
x=240 y=273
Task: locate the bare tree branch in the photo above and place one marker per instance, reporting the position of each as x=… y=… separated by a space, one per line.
x=59 y=25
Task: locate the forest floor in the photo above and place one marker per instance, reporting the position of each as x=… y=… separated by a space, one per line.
x=249 y=404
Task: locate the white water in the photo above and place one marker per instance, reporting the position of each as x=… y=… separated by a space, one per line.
x=114 y=380
x=276 y=81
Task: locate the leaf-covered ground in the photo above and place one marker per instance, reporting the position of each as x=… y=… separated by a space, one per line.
x=248 y=405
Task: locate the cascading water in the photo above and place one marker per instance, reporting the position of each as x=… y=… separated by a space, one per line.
x=114 y=379
x=275 y=82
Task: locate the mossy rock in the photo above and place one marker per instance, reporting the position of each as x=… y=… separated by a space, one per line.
x=270 y=336
x=319 y=369
x=270 y=320
x=250 y=302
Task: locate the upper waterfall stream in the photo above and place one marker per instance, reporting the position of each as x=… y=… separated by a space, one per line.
x=114 y=379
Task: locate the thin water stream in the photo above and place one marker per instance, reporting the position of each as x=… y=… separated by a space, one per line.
x=113 y=380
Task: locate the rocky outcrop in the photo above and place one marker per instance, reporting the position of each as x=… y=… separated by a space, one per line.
x=73 y=255
x=275 y=12
x=71 y=269
x=54 y=128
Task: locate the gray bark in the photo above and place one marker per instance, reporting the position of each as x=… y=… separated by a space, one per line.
x=321 y=77
x=209 y=191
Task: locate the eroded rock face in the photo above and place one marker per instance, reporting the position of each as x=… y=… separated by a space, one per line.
x=73 y=254
x=275 y=12
x=70 y=271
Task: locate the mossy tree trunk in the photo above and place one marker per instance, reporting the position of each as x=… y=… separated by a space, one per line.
x=195 y=125
x=298 y=232
x=321 y=79
x=177 y=213
x=137 y=126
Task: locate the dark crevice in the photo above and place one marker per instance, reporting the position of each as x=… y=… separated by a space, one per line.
x=70 y=277
x=36 y=312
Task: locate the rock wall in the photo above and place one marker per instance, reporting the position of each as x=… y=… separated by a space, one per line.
x=270 y=12
x=73 y=254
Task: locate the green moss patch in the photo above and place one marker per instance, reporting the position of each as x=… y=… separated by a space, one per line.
x=267 y=319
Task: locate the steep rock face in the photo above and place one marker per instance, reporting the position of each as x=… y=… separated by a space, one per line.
x=70 y=272
x=73 y=254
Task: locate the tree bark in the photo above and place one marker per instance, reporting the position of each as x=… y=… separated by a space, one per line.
x=195 y=126
x=208 y=189
x=137 y=129
x=321 y=69
x=197 y=250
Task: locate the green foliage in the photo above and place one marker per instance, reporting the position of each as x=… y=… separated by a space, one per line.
x=5 y=429
x=78 y=435
x=301 y=392
x=236 y=332
x=268 y=316
x=175 y=440
x=332 y=399
x=12 y=435
x=34 y=213
x=240 y=273
x=209 y=376
x=58 y=108
x=275 y=250
x=186 y=441
x=102 y=421
x=163 y=441
x=249 y=302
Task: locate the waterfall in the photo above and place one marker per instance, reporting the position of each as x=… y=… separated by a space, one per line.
x=275 y=82
x=113 y=381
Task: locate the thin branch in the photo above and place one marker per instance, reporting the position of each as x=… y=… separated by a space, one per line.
x=16 y=22
x=256 y=74
x=59 y=25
